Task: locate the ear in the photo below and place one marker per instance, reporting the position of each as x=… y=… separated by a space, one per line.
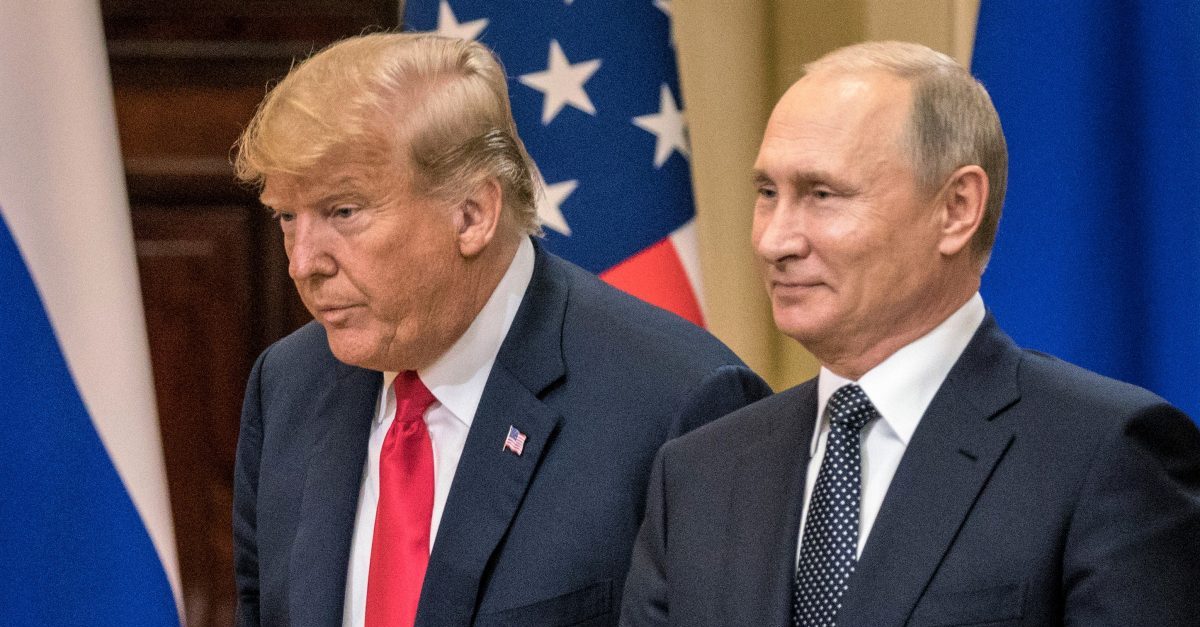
x=963 y=199
x=478 y=217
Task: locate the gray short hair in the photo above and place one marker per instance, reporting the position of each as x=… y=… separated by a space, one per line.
x=436 y=104
x=953 y=123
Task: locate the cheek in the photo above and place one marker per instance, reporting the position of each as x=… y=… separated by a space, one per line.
x=841 y=247
x=420 y=286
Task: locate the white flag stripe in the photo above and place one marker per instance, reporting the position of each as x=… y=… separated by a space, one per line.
x=687 y=246
x=63 y=195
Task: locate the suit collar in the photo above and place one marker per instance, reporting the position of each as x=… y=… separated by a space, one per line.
x=760 y=543
x=457 y=378
x=902 y=386
x=532 y=351
x=491 y=482
x=953 y=452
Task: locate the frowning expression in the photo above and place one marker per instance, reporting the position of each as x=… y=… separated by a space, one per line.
x=377 y=266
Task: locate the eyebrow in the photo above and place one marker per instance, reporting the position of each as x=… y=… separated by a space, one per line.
x=262 y=200
x=342 y=187
x=796 y=177
x=801 y=179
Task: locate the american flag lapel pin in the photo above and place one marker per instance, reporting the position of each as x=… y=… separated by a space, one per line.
x=515 y=441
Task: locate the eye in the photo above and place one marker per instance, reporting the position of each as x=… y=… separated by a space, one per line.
x=283 y=216
x=767 y=192
x=344 y=211
x=822 y=193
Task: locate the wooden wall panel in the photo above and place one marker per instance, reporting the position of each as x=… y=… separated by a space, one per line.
x=187 y=77
x=195 y=270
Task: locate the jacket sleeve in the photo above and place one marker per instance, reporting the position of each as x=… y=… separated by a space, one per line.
x=245 y=499
x=1132 y=554
x=723 y=391
x=644 y=601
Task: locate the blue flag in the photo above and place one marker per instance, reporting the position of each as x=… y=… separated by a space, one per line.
x=74 y=550
x=595 y=94
x=1098 y=255
x=85 y=524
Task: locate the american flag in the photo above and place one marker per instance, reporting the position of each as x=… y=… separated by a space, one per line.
x=595 y=93
x=515 y=441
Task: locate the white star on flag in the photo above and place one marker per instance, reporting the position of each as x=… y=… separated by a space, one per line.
x=668 y=126
x=561 y=83
x=449 y=26
x=549 y=205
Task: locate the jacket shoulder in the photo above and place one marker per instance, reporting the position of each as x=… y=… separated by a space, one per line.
x=1050 y=381
x=746 y=427
x=638 y=329
x=302 y=358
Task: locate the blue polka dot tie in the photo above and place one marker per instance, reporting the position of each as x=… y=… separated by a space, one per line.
x=830 y=542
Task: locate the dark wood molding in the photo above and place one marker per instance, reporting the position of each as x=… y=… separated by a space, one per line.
x=186 y=181
x=208 y=63
x=229 y=42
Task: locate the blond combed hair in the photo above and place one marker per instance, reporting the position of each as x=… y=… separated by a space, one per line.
x=435 y=107
x=953 y=122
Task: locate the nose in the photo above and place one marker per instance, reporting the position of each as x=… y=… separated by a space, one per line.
x=779 y=235
x=307 y=243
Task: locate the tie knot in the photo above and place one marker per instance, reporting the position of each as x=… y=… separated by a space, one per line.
x=412 y=397
x=850 y=406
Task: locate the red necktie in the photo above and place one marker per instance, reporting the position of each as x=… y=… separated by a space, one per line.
x=400 y=545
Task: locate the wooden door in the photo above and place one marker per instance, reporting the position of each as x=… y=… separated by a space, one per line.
x=187 y=76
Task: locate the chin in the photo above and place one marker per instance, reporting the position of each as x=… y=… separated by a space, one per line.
x=352 y=351
x=802 y=327
x=373 y=352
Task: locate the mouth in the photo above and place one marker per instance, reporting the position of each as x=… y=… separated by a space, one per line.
x=794 y=284
x=335 y=315
x=794 y=288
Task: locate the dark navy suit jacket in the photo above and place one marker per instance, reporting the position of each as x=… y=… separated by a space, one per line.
x=1033 y=492
x=596 y=380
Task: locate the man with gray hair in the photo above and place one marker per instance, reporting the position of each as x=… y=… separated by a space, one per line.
x=463 y=434
x=933 y=473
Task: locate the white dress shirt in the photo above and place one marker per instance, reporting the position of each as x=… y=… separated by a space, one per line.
x=456 y=379
x=901 y=388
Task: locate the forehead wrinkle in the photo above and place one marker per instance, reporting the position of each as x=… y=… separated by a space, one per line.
x=307 y=189
x=805 y=156
x=850 y=103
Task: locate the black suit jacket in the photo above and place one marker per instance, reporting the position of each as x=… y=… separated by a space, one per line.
x=596 y=380
x=1032 y=493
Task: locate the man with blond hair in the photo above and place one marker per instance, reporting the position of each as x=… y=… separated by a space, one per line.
x=463 y=434
x=933 y=473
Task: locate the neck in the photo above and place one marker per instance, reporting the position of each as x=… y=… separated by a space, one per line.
x=854 y=359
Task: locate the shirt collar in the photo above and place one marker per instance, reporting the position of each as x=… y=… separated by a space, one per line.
x=902 y=386
x=458 y=376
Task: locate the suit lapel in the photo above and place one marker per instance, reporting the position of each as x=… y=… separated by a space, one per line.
x=948 y=461
x=329 y=505
x=490 y=483
x=765 y=514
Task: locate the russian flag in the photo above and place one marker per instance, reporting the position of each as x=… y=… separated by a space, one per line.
x=595 y=94
x=1098 y=255
x=85 y=527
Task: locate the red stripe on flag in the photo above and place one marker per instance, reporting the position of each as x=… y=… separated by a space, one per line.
x=656 y=276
